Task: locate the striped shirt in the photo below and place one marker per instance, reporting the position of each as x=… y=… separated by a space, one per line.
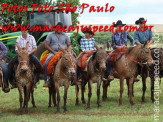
x=87 y=44
x=22 y=42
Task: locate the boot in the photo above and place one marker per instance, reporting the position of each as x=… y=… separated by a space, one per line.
x=110 y=77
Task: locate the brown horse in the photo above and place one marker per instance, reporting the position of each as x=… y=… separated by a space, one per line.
x=64 y=72
x=24 y=78
x=157 y=55
x=3 y=82
x=95 y=68
x=126 y=68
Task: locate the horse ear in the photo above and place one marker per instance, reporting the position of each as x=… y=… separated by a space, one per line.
x=70 y=49
x=146 y=44
x=63 y=50
x=105 y=46
x=19 y=48
x=27 y=45
x=97 y=47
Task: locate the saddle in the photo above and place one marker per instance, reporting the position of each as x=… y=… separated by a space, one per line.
x=83 y=59
x=52 y=61
x=116 y=54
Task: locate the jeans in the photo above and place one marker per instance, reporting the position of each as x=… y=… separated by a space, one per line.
x=45 y=66
x=109 y=68
x=5 y=72
x=36 y=62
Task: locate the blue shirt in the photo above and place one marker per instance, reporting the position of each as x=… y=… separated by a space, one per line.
x=87 y=44
x=142 y=37
x=120 y=39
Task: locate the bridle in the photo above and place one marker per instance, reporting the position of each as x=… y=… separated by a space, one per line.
x=141 y=57
x=65 y=65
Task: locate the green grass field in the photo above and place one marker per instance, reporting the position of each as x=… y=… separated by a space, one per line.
x=109 y=112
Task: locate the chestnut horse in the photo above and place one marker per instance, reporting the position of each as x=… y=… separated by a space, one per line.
x=24 y=76
x=126 y=68
x=64 y=72
x=95 y=69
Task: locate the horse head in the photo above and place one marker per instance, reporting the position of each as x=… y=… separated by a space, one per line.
x=100 y=57
x=68 y=62
x=142 y=54
x=23 y=59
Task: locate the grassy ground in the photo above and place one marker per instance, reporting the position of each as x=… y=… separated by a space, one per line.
x=109 y=112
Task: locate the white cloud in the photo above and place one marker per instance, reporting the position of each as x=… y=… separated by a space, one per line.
x=126 y=10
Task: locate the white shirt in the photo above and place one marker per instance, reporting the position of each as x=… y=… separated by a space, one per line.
x=22 y=42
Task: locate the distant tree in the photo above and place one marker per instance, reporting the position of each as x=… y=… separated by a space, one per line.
x=19 y=17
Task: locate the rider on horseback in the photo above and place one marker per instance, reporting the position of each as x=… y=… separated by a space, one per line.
x=141 y=37
x=55 y=41
x=119 y=39
x=3 y=53
x=88 y=46
x=21 y=42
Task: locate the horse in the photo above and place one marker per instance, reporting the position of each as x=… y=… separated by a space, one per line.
x=95 y=68
x=64 y=72
x=3 y=83
x=157 y=55
x=24 y=76
x=126 y=68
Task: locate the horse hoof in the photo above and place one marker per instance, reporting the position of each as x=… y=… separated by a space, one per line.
x=57 y=112
x=77 y=104
x=142 y=102
x=120 y=105
x=83 y=102
x=133 y=104
x=34 y=107
x=65 y=112
x=99 y=106
x=88 y=108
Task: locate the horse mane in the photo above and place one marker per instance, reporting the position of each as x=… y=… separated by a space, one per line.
x=129 y=49
x=93 y=57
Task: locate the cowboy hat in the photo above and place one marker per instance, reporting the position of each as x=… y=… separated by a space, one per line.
x=87 y=31
x=119 y=22
x=140 y=20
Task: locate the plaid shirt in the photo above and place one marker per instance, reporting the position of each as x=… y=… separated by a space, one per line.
x=87 y=44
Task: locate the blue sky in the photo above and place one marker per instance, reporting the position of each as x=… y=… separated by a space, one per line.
x=126 y=10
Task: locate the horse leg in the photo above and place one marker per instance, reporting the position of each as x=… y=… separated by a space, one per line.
x=33 y=100
x=65 y=97
x=77 y=94
x=133 y=89
x=28 y=88
x=144 y=88
x=152 y=89
x=121 y=90
x=127 y=83
x=98 y=92
x=130 y=90
x=89 y=93
x=20 y=95
x=54 y=97
x=82 y=92
x=104 y=91
x=58 y=97
x=50 y=93
x=24 y=96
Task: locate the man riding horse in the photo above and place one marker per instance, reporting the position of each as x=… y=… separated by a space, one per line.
x=54 y=41
x=119 y=39
x=4 y=69
x=21 y=42
x=88 y=46
x=140 y=36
